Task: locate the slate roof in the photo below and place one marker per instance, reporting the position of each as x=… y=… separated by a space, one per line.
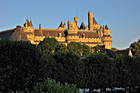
x=7 y=34
x=87 y=34
x=54 y=33
x=48 y=33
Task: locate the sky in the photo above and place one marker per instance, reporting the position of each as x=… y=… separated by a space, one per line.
x=122 y=16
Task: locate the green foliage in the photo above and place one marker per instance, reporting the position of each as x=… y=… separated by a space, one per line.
x=99 y=71
x=124 y=73
x=48 y=46
x=49 y=67
x=64 y=67
x=51 y=86
x=79 y=49
x=61 y=49
x=69 y=68
x=19 y=65
x=23 y=64
x=98 y=48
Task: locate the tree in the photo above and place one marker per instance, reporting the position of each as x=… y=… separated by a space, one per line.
x=86 y=50
x=48 y=46
x=124 y=65
x=19 y=65
x=136 y=72
x=100 y=71
x=48 y=67
x=61 y=49
x=69 y=68
x=51 y=86
x=78 y=49
x=98 y=48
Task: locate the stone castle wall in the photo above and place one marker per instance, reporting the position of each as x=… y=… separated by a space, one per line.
x=92 y=34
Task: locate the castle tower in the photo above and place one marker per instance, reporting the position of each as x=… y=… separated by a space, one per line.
x=107 y=39
x=90 y=20
x=100 y=32
x=28 y=26
x=107 y=31
x=62 y=26
x=73 y=25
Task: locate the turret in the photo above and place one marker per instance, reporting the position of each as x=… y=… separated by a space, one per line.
x=100 y=31
x=106 y=30
x=92 y=23
x=62 y=26
x=107 y=39
x=72 y=25
x=28 y=26
x=28 y=23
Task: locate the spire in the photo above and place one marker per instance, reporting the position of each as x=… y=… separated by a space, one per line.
x=64 y=25
x=26 y=23
x=61 y=24
x=31 y=23
x=83 y=26
x=106 y=27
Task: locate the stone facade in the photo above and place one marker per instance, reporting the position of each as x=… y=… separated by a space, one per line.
x=91 y=35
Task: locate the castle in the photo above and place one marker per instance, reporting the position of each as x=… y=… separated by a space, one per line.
x=91 y=35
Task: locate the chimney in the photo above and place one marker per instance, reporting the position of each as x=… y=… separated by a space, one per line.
x=40 y=26
x=76 y=20
x=90 y=20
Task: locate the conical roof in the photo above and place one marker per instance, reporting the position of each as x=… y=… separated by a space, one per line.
x=30 y=23
x=61 y=24
x=106 y=27
x=83 y=26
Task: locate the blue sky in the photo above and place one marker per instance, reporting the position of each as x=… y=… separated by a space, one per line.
x=122 y=16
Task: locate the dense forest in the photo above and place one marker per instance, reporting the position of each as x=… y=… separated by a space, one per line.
x=50 y=67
